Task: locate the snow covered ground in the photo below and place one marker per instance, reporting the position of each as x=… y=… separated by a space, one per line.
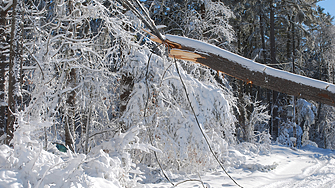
x=283 y=168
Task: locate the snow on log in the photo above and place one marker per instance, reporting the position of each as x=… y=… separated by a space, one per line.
x=248 y=70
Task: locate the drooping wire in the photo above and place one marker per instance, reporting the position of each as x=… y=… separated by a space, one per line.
x=145 y=115
x=202 y=132
x=151 y=25
x=151 y=134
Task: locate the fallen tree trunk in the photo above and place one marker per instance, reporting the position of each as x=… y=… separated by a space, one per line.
x=248 y=70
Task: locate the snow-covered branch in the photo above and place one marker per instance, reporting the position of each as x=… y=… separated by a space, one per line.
x=250 y=71
x=7 y=7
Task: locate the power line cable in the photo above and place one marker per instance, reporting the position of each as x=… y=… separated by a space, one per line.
x=202 y=132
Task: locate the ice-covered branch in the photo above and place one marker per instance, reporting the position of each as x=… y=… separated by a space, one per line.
x=7 y=7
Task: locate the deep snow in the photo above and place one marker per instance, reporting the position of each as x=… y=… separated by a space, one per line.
x=284 y=167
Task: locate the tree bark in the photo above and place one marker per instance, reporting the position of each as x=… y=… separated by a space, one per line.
x=250 y=71
x=88 y=123
x=127 y=84
x=12 y=77
x=261 y=20
x=70 y=116
x=3 y=62
x=241 y=107
x=68 y=136
x=274 y=119
x=70 y=125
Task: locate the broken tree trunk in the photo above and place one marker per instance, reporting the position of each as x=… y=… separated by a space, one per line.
x=248 y=70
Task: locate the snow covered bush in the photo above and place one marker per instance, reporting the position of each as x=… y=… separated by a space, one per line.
x=253 y=129
x=158 y=95
x=257 y=121
x=72 y=97
x=290 y=134
x=326 y=128
x=305 y=114
x=29 y=164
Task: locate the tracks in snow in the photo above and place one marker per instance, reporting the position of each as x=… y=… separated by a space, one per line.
x=319 y=175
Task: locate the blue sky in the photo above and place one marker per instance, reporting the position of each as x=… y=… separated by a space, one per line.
x=329 y=6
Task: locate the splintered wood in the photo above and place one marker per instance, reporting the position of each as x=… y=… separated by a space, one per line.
x=184 y=55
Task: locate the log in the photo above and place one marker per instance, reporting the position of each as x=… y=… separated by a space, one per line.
x=249 y=71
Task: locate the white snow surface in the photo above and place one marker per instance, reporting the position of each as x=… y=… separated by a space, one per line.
x=284 y=167
x=249 y=64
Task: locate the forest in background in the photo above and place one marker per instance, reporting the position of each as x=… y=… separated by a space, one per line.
x=84 y=75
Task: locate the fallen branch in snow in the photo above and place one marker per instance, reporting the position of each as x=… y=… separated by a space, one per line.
x=247 y=70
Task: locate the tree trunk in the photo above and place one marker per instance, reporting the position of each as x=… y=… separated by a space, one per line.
x=274 y=121
x=21 y=75
x=294 y=119
x=250 y=71
x=88 y=123
x=272 y=34
x=288 y=43
x=12 y=76
x=70 y=116
x=3 y=62
x=71 y=97
x=293 y=48
x=241 y=108
x=316 y=128
x=261 y=19
x=68 y=136
x=127 y=84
